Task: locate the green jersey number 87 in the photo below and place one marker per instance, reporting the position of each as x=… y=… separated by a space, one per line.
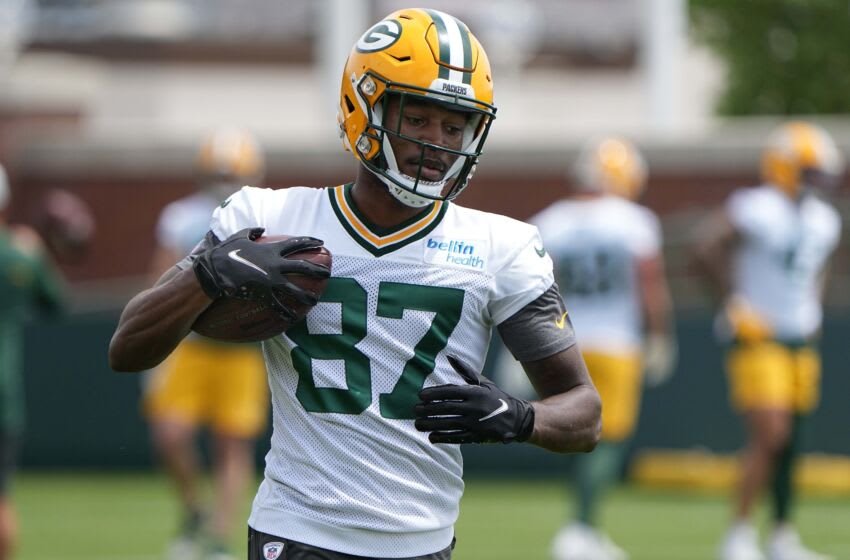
x=393 y=299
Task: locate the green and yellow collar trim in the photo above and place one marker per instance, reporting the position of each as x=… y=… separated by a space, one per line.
x=378 y=240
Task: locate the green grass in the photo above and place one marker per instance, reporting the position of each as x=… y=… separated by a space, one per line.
x=501 y=521
x=119 y=516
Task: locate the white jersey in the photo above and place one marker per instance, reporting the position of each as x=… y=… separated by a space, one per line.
x=184 y=222
x=786 y=245
x=347 y=470
x=596 y=244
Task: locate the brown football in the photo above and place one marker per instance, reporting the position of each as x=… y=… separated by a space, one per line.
x=238 y=320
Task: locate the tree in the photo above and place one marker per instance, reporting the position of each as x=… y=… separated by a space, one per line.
x=782 y=56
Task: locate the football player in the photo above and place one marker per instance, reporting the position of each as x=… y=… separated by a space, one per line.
x=765 y=254
x=609 y=267
x=374 y=391
x=206 y=383
x=28 y=282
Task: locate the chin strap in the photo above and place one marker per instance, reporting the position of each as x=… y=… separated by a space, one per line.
x=407 y=196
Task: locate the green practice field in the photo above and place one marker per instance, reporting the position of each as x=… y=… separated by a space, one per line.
x=109 y=516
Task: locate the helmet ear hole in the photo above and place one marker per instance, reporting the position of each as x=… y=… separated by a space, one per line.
x=349 y=106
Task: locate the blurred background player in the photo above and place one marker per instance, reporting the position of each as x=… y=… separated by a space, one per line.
x=206 y=383
x=28 y=282
x=609 y=266
x=765 y=254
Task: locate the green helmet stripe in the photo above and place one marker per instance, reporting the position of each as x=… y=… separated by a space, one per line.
x=455 y=47
x=467 y=52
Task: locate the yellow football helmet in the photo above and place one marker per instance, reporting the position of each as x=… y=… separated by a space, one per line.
x=228 y=159
x=415 y=53
x=800 y=154
x=612 y=165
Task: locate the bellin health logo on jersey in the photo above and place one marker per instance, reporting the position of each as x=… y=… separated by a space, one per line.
x=464 y=253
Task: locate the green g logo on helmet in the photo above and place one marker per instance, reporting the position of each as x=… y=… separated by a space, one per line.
x=380 y=36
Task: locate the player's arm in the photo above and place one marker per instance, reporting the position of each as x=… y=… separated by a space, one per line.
x=715 y=241
x=823 y=280
x=49 y=285
x=824 y=276
x=156 y=320
x=654 y=294
x=166 y=264
x=50 y=289
x=657 y=306
x=567 y=418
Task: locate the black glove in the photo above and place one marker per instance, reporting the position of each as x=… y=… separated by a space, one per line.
x=242 y=268
x=476 y=413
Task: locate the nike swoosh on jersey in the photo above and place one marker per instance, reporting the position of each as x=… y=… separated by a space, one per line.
x=541 y=252
x=226 y=202
x=502 y=407
x=233 y=255
x=562 y=321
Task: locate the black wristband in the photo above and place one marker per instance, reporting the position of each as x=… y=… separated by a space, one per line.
x=205 y=278
x=527 y=422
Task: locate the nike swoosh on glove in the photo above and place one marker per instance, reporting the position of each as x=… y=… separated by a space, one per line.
x=240 y=267
x=479 y=412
